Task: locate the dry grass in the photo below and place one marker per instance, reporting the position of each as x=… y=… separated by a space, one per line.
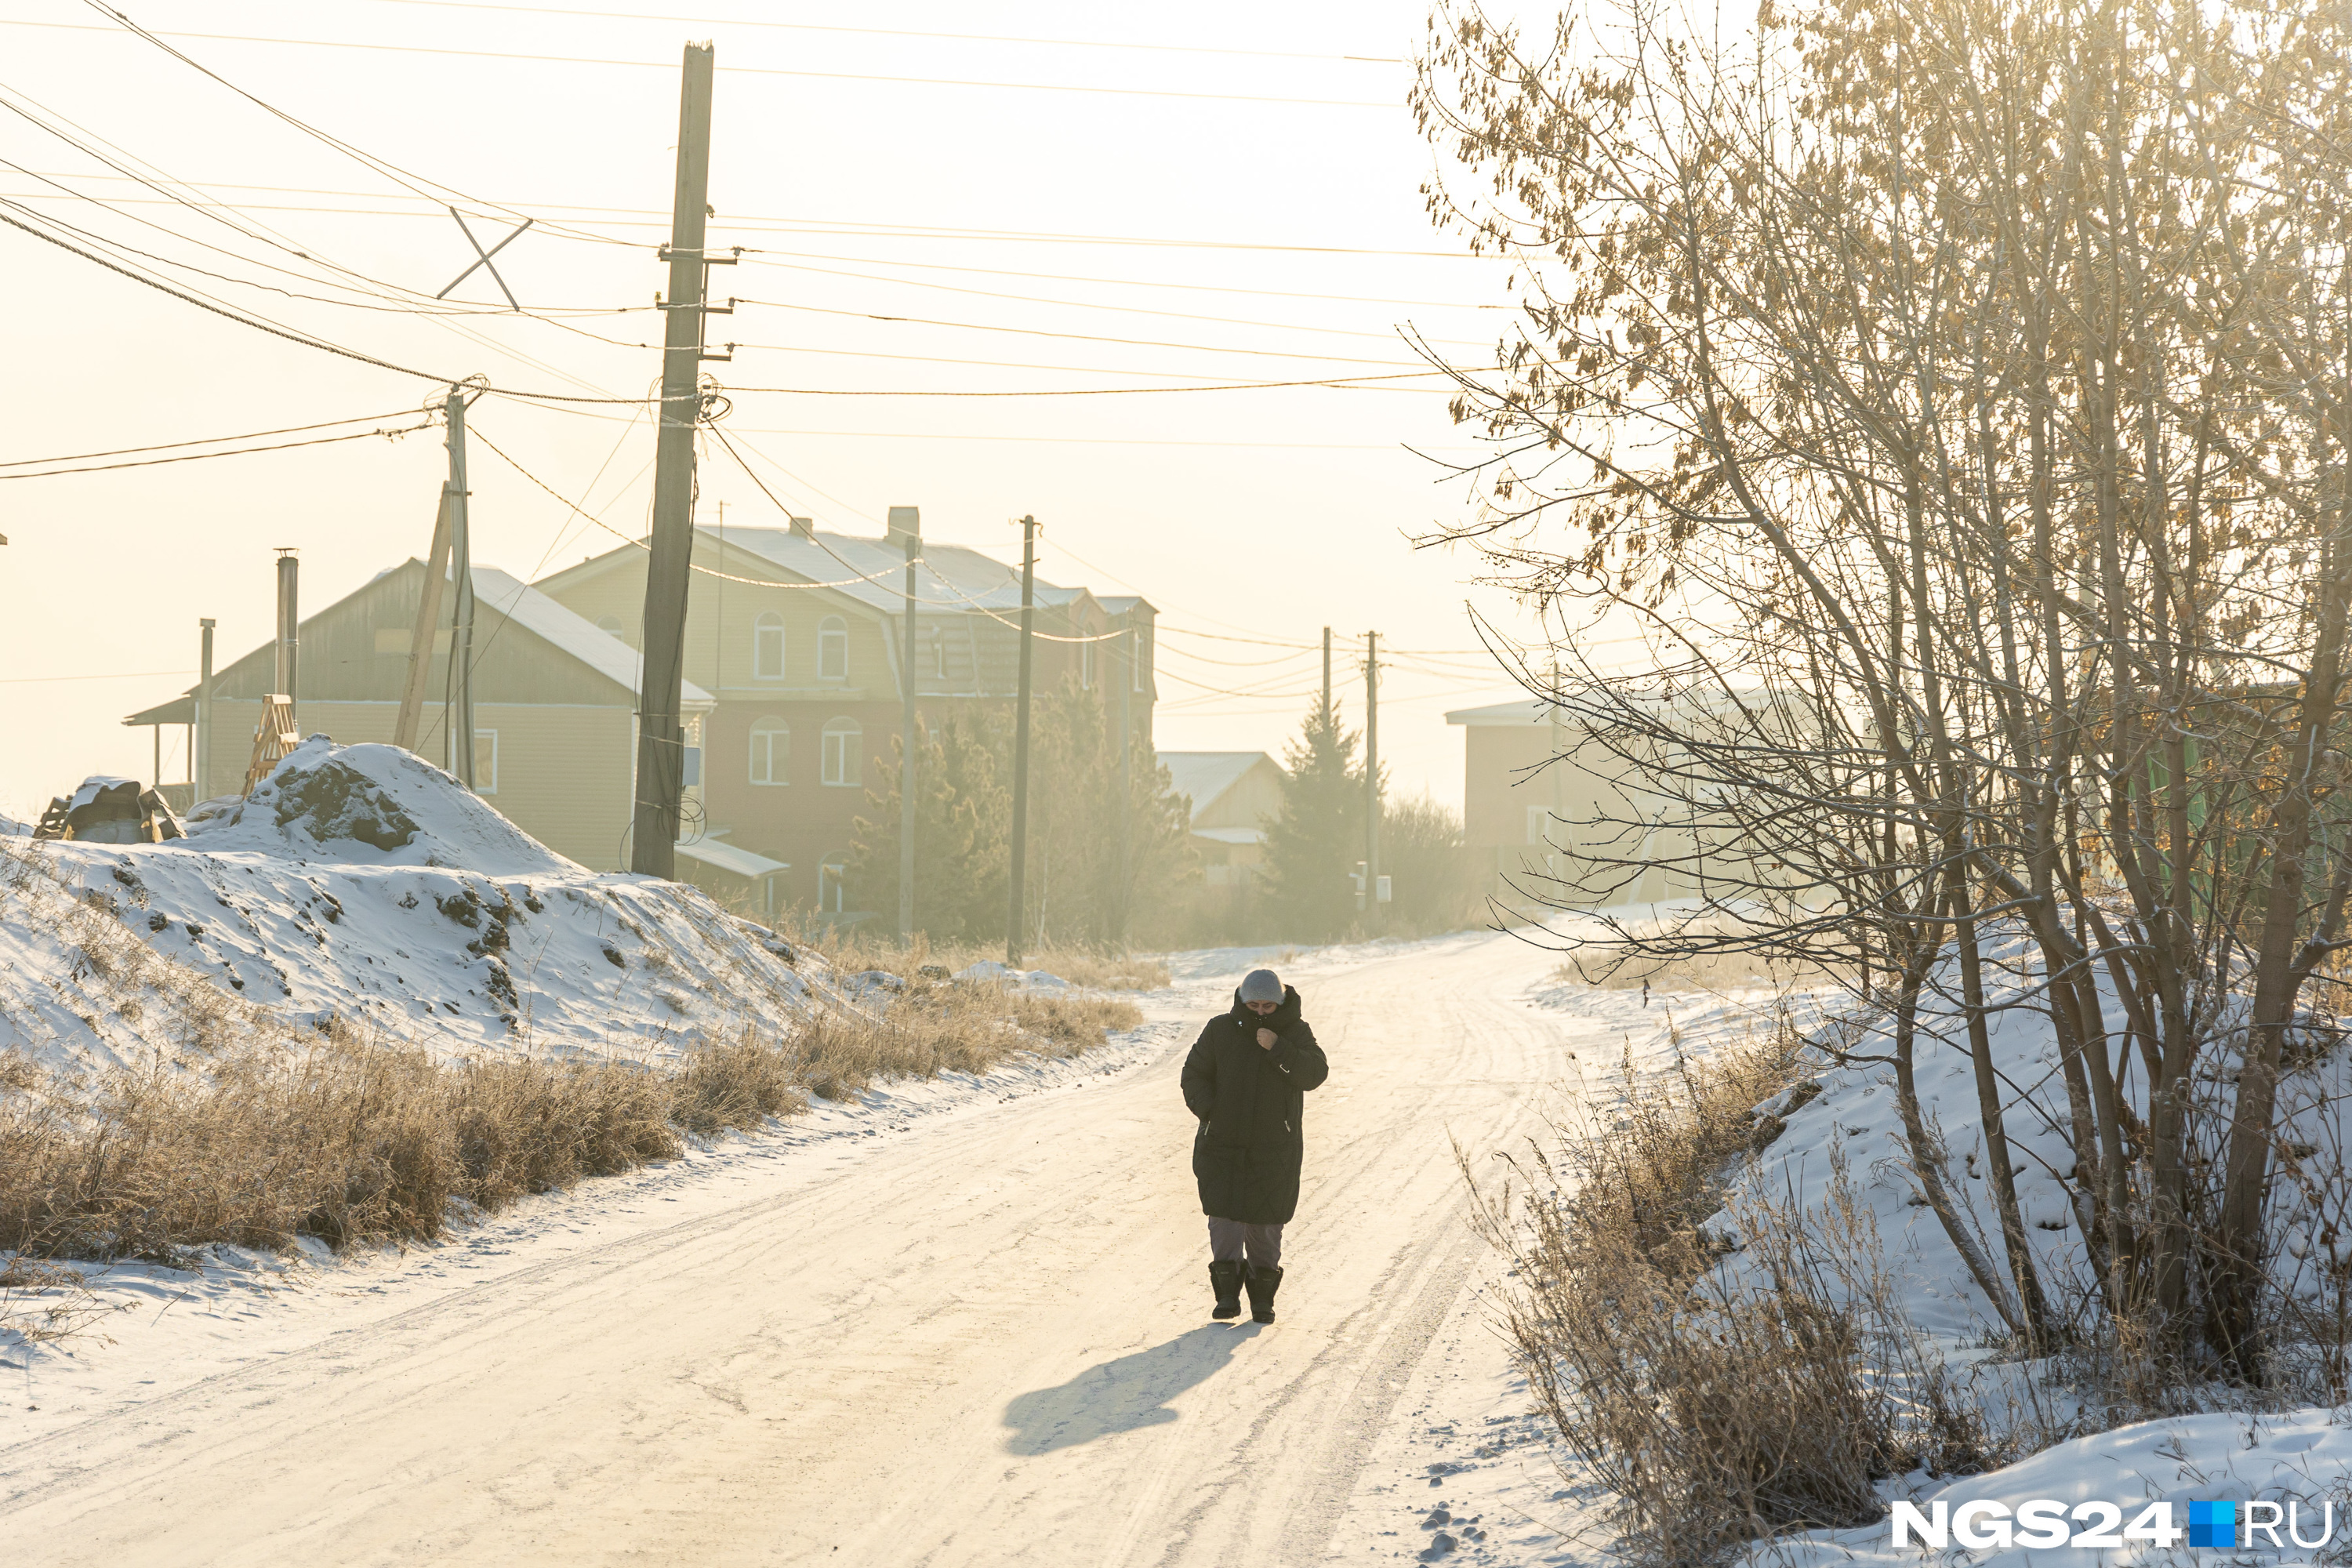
x=357 y=1139
x=1679 y=956
x=1723 y=1398
x=857 y=950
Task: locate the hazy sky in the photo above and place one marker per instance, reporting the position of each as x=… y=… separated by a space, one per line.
x=1245 y=206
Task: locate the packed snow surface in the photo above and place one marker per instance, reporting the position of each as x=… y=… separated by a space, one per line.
x=362 y=884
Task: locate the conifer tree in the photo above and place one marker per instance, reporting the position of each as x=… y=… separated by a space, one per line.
x=1315 y=841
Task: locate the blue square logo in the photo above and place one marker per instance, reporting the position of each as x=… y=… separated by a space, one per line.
x=2213 y=1524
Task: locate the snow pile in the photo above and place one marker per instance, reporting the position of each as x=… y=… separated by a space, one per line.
x=375 y=805
x=360 y=883
x=1842 y=1125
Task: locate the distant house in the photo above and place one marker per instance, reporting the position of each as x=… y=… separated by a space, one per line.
x=555 y=703
x=1233 y=793
x=1576 y=819
x=796 y=635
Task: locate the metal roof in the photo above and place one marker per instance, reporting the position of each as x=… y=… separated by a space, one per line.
x=948 y=578
x=727 y=857
x=1205 y=776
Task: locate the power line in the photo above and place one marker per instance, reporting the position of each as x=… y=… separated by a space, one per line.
x=737 y=71
x=1071 y=337
x=289 y=333
x=238 y=452
x=126 y=675
x=871 y=231
x=1354 y=381
x=895 y=32
x=208 y=441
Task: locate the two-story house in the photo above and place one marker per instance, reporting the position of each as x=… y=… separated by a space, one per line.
x=796 y=634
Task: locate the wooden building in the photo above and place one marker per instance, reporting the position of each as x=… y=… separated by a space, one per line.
x=796 y=634
x=555 y=704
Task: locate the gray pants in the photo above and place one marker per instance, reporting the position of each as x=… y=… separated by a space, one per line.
x=1229 y=1237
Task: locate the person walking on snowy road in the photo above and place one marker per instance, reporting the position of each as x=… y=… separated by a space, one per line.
x=1247 y=1081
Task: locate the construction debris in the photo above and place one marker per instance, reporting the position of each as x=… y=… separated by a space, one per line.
x=109 y=810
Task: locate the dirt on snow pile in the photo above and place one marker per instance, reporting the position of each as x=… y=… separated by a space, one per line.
x=362 y=883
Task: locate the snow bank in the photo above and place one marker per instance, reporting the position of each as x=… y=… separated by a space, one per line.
x=2299 y=1456
x=360 y=883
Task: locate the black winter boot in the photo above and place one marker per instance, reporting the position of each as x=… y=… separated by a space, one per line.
x=1263 y=1283
x=1226 y=1278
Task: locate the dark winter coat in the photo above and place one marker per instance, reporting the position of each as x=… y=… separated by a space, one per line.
x=1250 y=1101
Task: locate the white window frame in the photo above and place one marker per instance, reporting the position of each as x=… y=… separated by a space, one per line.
x=841 y=752
x=938 y=644
x=766 y=730
x=1539 y=821
x=830 y=874
x=486 y=779
x=1139 y=649
x=768 y=637
x=832 y=649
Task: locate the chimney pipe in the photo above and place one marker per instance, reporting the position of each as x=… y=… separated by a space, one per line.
x=289 y=629
x=804 y=526
x=905 y=528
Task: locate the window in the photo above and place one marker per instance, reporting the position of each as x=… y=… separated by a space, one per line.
x=832 y=649
x=1087 y=665
x=829 y=877
x=610 y=625
x=844 y=749
x=768 y=647
x=771 y=751
x=485 y=760
x=1538 y=825
x=1139 y=653
x=937 y=649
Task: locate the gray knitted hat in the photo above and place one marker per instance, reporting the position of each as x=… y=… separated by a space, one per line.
x=1262 y=986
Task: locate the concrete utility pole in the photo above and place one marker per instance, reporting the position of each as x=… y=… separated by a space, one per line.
x=907 y=527
x=1014 y=919
x=1372 y=775
x=458 y=720
x=1327 y=676
x=204 y=768
x=427 y=630
x=661 y=737
x=289 y=633
x=1125 y=782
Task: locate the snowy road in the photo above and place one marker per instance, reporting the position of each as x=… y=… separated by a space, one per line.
x=986 y=1344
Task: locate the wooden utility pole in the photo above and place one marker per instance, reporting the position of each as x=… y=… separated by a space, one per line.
x=427 y=630
x=1014 y=918
x=204 y=768
x=1372 y=775
x=661 y=737
x=458 y=724
x=907 y=523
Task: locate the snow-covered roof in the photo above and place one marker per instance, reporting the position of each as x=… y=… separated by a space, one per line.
x=948 y=577
x=729 y=859
x=599 y=649
x=1231 y=835
x=1205 y=776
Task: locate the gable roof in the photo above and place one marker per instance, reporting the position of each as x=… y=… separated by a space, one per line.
x=494 y=592
x=593 y=646
x=1524 y=711
x=1205 y=776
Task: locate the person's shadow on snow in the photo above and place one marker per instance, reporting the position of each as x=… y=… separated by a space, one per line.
x=1121 y=1395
